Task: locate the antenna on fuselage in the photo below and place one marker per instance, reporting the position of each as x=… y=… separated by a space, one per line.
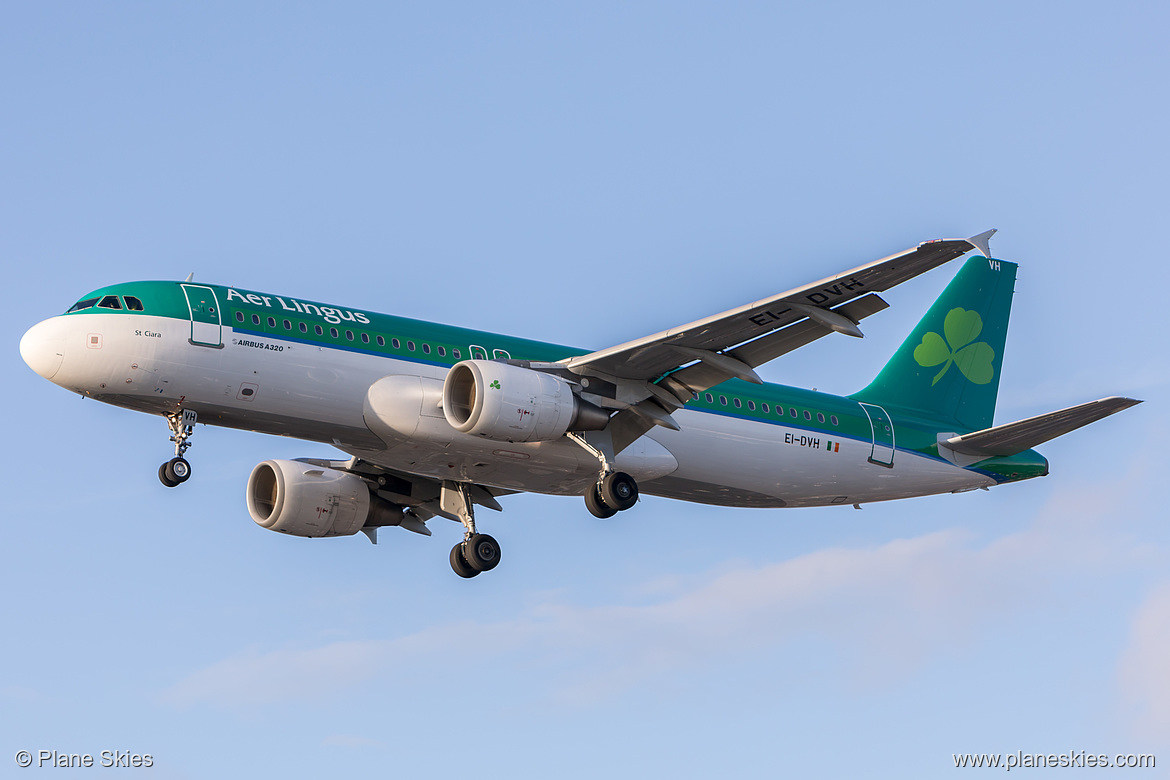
x=190 y=276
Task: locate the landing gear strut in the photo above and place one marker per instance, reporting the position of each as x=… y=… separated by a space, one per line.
x=177 y=470
x=615 y=491
x=477 y=552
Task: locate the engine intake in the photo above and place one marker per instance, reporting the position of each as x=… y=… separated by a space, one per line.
x=305 y=500
x=509 y=403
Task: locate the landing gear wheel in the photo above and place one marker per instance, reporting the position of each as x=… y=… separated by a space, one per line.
x=619 y=490
x=595 y=505
x=177 y=470
x=459 y=563
x=163 y=478
x=482 y=552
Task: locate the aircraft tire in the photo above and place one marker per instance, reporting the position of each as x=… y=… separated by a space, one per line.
x=178 y=470
x=595 y=505
x=459 y=564
x=163 y=478
x=619 y=491
x=482 y=552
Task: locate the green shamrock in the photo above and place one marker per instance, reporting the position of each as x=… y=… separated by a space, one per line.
x=495 y=384
x=961 y=328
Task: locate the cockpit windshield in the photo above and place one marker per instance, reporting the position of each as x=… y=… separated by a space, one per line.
x=129 y=302
x=84 y=303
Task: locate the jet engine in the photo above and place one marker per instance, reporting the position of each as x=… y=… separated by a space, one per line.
x=510 y=403
x=301 y=499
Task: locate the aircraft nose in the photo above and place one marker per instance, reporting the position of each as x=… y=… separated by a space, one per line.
x=43 y=347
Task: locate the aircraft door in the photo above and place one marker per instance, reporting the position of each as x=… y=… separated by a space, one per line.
x=206 y=326
x=883 y=435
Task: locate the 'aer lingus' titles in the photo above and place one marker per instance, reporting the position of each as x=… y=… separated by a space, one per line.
x=328 y=313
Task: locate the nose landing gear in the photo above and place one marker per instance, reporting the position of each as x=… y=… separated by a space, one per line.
x=174 y=472
x=177 y=470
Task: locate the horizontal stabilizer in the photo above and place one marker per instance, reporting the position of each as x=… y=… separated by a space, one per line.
x=1009 y=439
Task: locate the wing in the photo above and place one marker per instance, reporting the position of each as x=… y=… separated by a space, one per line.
x=650 y=377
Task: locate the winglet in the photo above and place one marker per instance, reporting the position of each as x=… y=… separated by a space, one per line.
x=982 y=242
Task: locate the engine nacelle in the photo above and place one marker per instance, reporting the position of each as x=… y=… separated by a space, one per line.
x=305 y=500
x=509 y=403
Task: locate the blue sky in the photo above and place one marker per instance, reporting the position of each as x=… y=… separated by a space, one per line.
x=586 y=175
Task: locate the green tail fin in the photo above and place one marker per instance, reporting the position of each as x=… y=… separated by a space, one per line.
x=948 y=369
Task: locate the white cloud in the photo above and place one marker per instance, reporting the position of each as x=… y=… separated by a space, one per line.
x=897 y=602
x=279 y=675
x=1145 y=666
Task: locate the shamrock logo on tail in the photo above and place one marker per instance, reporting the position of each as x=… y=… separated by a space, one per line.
x=961 y=328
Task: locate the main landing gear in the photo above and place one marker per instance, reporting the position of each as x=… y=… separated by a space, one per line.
x=615 y=491
x=477 y=552
x=177 y=470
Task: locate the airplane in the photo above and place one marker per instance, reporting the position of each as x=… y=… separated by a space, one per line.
x=436 y=420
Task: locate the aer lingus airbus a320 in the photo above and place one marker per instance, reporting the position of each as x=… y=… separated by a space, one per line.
x=437 y=419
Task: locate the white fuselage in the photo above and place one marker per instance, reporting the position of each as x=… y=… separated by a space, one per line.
x=317 y=392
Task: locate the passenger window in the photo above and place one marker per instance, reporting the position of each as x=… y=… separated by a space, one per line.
x=710 y=398
x=410 y=345
x=442 y=351
x=765 y=408
x=792 y=412
x=820 y=417
x=349 y=335
x=87 y=303
x=110 y=302
x=304 y=328
x=272 y=322
x=365 y=338
x=132 y=303
x=455 y=353
x=319 y=330
x=738 y=404
x=333 y=332
x=381 y=342
x=807 y=414
x=477 y=353
x=255 y=319
x=427 y=348
x=751 y=406
x=833 y=419
x=287 y=325
x=723 y=400
x=396 y=343
x=239 y=316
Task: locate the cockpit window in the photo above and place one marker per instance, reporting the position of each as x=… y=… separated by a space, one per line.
x=110 y=302
x=132 y=303
x=82 y=304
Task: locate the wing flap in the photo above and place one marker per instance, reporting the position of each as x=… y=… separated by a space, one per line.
x=1016 y=437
